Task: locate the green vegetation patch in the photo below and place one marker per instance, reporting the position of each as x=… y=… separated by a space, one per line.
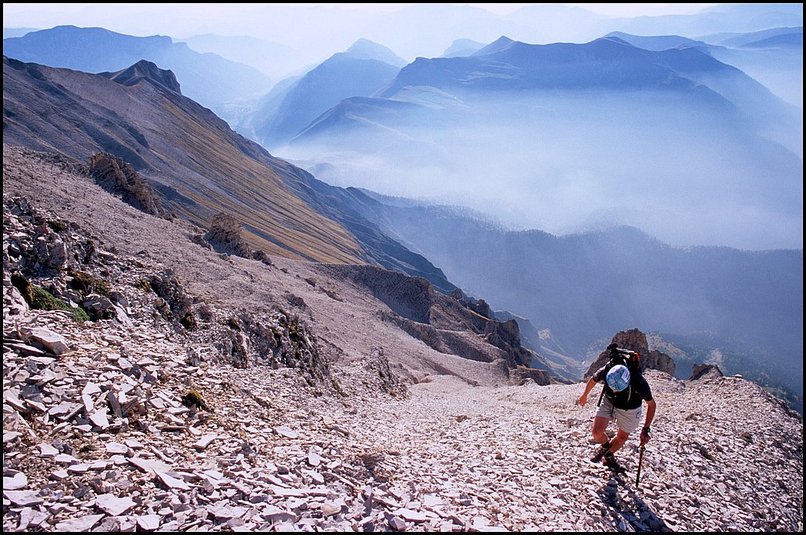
x=85 y=283
x=40 y=299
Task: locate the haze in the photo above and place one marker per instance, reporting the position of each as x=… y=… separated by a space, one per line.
x=683 y=172
x=566 y=165
x=327 y=28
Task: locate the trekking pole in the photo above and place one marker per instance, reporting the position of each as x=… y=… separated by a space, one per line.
x=640 y=459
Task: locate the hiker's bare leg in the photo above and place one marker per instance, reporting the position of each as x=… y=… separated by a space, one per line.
x=618 y=441
x=599 y=427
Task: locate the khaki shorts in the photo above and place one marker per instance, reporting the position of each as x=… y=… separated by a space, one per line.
x=627 y=420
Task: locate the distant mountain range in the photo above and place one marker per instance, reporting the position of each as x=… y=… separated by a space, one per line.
x=770 y=38
x=427 y=30
x=774 y=57
x=541 y=118
x=463 y=47
x=272 y=59
x=206 y=78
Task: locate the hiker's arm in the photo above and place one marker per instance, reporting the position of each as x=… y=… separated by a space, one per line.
x=588 y=387
x=650 y=415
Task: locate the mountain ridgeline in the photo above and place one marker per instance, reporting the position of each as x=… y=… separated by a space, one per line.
x=209 y=79
x=360 y=71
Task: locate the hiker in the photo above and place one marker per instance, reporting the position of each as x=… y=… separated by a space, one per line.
x=624 y=391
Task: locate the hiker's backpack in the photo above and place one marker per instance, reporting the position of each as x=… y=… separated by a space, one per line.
x=627 y=357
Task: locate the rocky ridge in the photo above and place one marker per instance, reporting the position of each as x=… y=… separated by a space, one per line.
x=293 y=417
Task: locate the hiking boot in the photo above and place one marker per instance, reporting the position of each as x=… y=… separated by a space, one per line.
x=611 y=462
x=601 y=453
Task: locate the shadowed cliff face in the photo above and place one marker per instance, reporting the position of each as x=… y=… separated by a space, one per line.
x=448 y=324
x=635 y=340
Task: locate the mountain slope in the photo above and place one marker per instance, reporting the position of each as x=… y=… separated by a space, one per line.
x=198 y=164
x=206 y=78
x=421 y=329
x=170 y=139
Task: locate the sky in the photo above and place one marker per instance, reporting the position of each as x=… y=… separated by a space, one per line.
x=46 y=15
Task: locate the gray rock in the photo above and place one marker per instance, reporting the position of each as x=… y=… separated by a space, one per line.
x=205 y=441
x=149 y=465
x=23 y=498
x=10 y=436
x=100 y=419
x=17 y=482
x=52 y=342
x=397 y=524
x=112 y=505
x=78 y=525
x=116 y=448
x=286 y=431
x=171 y=482
x=149 y=522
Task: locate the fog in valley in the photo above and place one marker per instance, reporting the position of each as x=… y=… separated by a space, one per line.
x=574 y=162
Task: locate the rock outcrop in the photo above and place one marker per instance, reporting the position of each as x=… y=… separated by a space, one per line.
x=145 y=71
x=225 y=235
x=442 y=321
x=698 y=371
x=120 y=178
x=635 y=340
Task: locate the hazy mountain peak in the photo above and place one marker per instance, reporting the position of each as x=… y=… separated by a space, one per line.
x=655 y=42
x=148 y=71
x=208 y=79
x=70 y=30
x=462 y=47
x=502 y=43
x=616 y=39
x=366 y=49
